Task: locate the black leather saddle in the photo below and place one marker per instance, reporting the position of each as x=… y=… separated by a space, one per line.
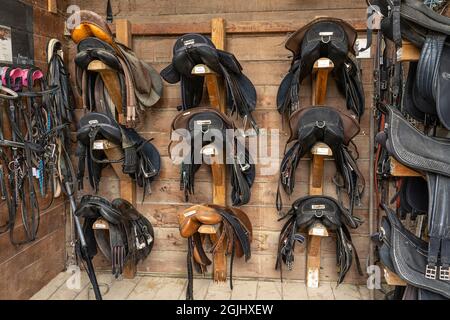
x=309 y=210
x=322 y=124
x=406 y=255
x=141 y=159
x=121 y=233
x=202 y=127
x=194 y=49
x=431 y=156
x=324 y=37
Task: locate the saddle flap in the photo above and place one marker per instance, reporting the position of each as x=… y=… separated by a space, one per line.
x=414 y=149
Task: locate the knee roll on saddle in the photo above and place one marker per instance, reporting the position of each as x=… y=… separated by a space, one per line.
x=117 y=228
x=193 y=49
x=323 y=38
x=233 y=237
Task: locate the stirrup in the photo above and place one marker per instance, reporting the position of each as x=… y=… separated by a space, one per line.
x=444 y=273
x=430 y=272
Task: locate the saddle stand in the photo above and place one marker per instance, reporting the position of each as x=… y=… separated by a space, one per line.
x=127 y=187
x=321 y=70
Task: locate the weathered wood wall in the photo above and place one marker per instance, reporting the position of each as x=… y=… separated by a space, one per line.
x=26 y=269
x=265 y=62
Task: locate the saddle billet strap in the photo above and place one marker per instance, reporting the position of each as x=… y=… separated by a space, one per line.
x=438 y=226
x=396 y=31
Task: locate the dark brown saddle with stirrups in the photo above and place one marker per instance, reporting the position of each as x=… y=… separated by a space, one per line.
x=323 y=124
x=209 y=127
x=233 y=237
x=324 y=37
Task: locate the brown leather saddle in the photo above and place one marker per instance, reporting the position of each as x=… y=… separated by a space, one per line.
x=141 y=85
x=334 y=128
x=323 y=38
x=233 y=236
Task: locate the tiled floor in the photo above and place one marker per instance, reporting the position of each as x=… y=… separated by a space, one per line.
x=150 y=287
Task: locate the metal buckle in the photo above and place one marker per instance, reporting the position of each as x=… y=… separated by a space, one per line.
x=321 y=124
x=430 y=272
x=444 y=273
x=325 y=37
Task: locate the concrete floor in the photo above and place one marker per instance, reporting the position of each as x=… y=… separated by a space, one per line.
x=146 y=287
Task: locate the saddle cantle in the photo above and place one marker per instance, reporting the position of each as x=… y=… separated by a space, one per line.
x=233 y=238
x=193 y=49
x=309 y=210
x=141 y=159
x=322 y=124
x=430 y=155
x=117 y=228
x=324 y=37
x=208 y=127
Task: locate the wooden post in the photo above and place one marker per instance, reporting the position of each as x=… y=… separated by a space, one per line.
x=408 y=52
x=52 y=6
x=123 y=32
x=399 y=170
x=321 y=70
x=216 y=92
